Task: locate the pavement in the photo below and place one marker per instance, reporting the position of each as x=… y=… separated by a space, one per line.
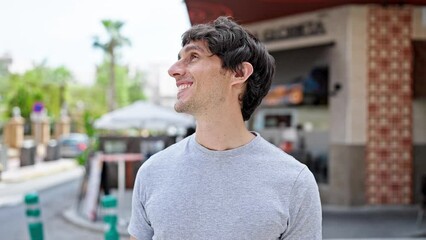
x=16 y=181
x=15 y=184
x=365 y=222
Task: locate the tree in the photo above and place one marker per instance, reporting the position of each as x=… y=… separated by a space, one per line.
x=5 y=88
x=110 y=47
x=129 y=84
x=62 y=77
x=136 y=87
x=41 y=83
x=23 y=98
x=121 y=81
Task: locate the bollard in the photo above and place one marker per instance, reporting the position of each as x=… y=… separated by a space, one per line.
x=109 y=205
x=33 y=213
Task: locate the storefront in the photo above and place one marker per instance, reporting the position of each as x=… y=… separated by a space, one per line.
x=365 y=133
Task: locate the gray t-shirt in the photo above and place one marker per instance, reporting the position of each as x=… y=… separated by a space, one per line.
x=253 y=192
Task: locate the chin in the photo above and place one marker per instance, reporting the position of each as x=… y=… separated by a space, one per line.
x=184 y=107
x=179 y=107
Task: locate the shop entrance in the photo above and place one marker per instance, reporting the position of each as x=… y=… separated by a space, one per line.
x=419 y=121
x=294 y=115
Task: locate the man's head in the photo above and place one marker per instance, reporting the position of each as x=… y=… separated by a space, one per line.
x=234 y=46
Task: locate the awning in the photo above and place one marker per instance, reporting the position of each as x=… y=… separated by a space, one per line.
x=249 y=11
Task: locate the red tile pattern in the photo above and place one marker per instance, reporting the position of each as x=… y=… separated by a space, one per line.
x=389 y=160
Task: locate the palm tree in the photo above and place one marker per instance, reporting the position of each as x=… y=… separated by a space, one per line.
x=62 y=76
x=115 y=41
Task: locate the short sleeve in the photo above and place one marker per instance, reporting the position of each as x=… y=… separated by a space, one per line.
x=305 y=221
x=139 y=226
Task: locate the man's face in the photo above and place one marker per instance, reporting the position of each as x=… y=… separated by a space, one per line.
x=202 y=82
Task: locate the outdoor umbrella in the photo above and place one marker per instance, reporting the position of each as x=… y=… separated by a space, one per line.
x=143 y=115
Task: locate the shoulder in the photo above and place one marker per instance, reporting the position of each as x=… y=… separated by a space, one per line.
x=279 y=167
x=277 y=157
x=159 y=166
x=165 y=157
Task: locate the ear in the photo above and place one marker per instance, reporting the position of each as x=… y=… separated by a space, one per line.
x=242 y=73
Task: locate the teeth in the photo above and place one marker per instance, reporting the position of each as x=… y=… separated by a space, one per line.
x=183 y=86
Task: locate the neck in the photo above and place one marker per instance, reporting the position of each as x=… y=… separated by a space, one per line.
x=223 y=132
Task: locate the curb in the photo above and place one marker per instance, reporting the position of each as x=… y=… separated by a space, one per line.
x=72 y=217
x=12 y=192
x=43 y=169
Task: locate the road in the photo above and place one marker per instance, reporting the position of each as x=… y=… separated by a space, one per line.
x=372 y=222
x=53 y=202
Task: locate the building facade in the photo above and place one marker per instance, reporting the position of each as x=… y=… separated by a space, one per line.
x=372 y=125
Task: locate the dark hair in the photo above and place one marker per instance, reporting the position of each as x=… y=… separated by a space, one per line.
x=234 y=45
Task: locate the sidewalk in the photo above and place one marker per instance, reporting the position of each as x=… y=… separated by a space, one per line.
x=123 y=212
x=16 y=182
x=372 y=222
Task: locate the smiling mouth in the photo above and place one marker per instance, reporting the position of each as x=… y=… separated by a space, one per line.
x=184 y=86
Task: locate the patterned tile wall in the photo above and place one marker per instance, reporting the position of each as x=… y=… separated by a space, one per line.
x=389 y=159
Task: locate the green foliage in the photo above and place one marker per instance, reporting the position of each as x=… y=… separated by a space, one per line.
x=110 y=47
x=83 y=157
x=121 y=81
x=136 y=87
x=89 y=119
x=41 y=83
x=4 y=87
x=47 y=84
x=62 y=75
x=116 y=39
x=51 y=100
x=55 y=87
x=24 y=99
x=87 y=98
x=129 y=86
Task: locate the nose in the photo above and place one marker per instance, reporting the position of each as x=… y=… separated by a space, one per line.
x=176 y=69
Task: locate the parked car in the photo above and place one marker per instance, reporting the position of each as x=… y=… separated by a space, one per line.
x=70 y=146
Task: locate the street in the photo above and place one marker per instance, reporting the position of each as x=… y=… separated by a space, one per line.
x=53 y=202
x=372 y=222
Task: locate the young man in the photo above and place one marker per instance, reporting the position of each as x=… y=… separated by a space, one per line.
x=223 y=182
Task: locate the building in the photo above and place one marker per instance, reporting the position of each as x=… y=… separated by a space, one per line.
x=5 y=62
x=368 y=127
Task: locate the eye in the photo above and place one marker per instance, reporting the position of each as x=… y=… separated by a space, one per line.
x=193 y=57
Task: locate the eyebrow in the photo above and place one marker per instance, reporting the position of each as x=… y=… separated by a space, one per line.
x=189 y=48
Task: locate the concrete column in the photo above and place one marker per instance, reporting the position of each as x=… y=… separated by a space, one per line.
x=40 y=128
x=62 y=126
x=14 y=130
x=347 y=110
x=389 y=149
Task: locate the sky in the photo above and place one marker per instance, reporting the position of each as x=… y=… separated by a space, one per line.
x=62 y=32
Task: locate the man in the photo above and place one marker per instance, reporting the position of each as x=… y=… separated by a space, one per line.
x=223 y=182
